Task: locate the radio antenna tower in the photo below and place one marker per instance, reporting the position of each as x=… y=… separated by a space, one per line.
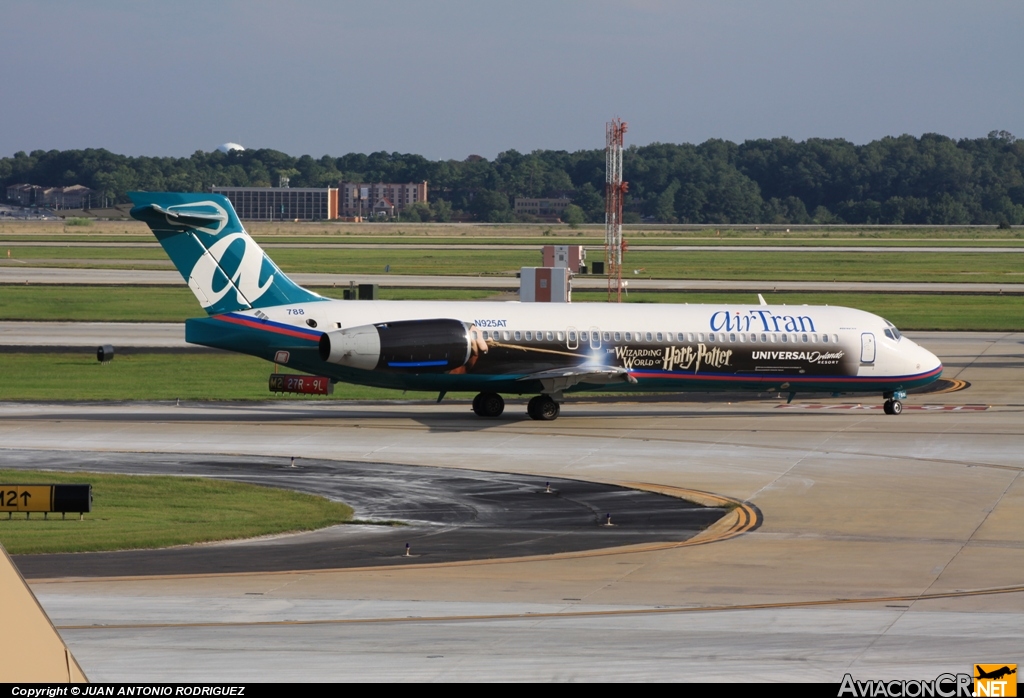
x=614 y=192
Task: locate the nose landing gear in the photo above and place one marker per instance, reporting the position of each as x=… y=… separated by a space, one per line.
x=892 y=402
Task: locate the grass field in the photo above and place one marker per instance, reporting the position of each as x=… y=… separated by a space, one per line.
x=590 y=239
x=78 y=376
x=536 y=232
x=684 y=264
x=40 y=255
x=155 y=511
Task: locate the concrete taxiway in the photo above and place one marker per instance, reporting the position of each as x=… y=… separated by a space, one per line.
x=151 y=335
x=890 y=547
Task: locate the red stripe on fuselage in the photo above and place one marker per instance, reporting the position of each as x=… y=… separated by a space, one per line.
x=269 y=326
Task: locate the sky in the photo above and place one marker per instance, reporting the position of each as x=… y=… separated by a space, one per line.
x=450 y=78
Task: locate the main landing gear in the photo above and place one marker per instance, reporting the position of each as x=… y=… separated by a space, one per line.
x=543 y=408
x=488 y=405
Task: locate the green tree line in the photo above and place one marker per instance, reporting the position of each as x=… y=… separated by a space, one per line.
x=894 y=180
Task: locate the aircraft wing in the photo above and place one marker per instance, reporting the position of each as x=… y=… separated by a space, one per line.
x=556 y=380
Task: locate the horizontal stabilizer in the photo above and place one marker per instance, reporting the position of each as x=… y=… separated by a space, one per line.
x=191 y=216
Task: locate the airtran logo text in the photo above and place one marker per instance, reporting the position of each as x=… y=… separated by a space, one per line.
x=760 y=321
x=246 y=277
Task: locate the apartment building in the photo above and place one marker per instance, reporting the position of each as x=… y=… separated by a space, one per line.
x=380 y=199
x=75 y=196
x=551 y=209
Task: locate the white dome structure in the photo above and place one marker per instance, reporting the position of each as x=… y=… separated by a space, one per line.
x=228 y=147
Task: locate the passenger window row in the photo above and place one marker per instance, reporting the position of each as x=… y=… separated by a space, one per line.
x=681 y=337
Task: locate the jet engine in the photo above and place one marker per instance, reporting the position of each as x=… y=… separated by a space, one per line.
x=410 y=346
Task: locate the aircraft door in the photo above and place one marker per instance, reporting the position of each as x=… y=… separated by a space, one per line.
x=595 y=338
x=867 y=348
x=572 y=339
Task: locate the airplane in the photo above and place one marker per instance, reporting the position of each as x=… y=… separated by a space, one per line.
x=995 y=674
x=512 y=348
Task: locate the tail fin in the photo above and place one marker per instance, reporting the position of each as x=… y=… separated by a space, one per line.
x=223 y=266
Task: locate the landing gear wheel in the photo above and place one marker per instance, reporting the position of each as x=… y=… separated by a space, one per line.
x=543 y=408
x=893 y=407
x=488 y=405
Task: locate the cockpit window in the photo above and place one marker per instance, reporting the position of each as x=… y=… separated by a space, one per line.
x=892 y=333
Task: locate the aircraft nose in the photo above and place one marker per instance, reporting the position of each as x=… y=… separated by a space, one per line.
x=930 y=362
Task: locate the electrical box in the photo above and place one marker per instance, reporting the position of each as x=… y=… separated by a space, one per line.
x=569 y=256
x=545 y=285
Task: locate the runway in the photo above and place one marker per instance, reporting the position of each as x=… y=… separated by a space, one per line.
x=890 y=547
x=506 y=282
x=31 y=336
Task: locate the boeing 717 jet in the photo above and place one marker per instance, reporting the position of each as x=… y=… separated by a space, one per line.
x=511 y=348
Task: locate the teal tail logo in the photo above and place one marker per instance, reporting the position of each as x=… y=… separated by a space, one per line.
x=225 y=268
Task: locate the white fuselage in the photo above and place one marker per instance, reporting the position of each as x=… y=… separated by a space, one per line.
x=654 y=336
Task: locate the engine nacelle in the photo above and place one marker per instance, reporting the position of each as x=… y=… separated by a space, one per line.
x=410 y=346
